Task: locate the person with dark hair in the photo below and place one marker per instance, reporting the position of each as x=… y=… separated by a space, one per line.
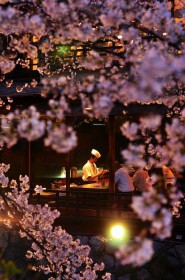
x=123 y=180
x=157 y=174
x=90 y=170
x=141 y=180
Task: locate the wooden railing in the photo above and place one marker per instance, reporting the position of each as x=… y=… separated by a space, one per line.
x=101 y=203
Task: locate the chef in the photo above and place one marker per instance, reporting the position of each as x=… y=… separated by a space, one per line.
x=90 y=170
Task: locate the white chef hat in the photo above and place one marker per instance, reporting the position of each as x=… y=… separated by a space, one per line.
x=95 y=153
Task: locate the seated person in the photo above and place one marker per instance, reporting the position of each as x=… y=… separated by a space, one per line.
x=90 y=170
x=169 y=177
x=141 y=180
x=123 y=180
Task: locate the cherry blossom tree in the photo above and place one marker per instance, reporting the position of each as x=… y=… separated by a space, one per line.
x=131 y=52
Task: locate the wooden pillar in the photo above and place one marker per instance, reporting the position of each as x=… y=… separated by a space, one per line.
x=111 y=152
x=29 y=161
x=68 y=156
x=31 y=166
x=24 y=158
x=68 y=159
x=172 y=8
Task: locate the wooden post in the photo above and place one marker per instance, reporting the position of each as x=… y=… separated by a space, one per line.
x=24 y=168
x=68 y=158
x=29 y=160
x=68 y=171
x=111 y=152
x=172 y=8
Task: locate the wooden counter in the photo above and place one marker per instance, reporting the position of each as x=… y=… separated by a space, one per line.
x=99 y=186
x=92 y=187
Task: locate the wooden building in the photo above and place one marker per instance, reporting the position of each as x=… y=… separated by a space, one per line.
x=96 y=206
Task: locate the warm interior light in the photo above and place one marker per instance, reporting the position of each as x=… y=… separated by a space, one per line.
x=109 y=43
x=88 y=108
x=35 y=38
x=117 y=231
x=79 y=53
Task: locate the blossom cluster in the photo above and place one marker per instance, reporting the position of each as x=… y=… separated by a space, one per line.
x=151 y=53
